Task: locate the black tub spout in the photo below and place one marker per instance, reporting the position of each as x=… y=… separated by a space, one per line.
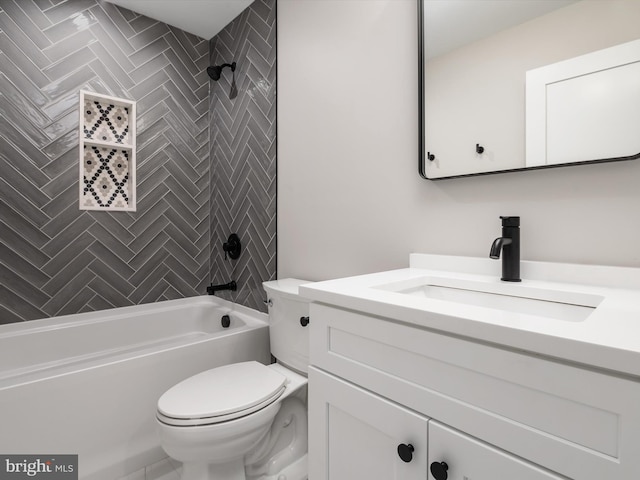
x=212 y=289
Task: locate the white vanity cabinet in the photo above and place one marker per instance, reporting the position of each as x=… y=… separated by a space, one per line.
x=466 y=458
x=357 y=434
x=486 y=411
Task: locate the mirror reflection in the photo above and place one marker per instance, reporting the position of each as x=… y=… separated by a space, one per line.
x=506 y=85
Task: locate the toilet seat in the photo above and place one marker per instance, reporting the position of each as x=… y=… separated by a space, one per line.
x=221 y=394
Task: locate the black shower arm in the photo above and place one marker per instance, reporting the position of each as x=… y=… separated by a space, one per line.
x=231 y=65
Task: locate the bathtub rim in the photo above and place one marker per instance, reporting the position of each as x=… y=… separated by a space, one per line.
x=76 y=319
x=11 y=378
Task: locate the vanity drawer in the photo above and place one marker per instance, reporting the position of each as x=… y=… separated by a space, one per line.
x=557 y=415
x=468 y=458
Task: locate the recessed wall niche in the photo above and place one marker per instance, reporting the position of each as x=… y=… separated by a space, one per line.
x=107 y=153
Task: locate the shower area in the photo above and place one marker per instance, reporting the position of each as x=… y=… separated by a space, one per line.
x=242 y=70
x=205 y=162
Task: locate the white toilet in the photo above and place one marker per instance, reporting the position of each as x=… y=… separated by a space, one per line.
x=246 y=421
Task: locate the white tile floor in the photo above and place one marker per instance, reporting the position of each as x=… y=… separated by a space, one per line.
x=166 y=469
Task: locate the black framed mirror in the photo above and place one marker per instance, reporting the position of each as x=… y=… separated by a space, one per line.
x=527 y=84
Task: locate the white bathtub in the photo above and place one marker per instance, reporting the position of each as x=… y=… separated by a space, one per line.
x=88 y=384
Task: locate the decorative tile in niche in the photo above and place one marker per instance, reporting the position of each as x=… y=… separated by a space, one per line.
x=106 y=177
x=105 y=121
x=107 y=153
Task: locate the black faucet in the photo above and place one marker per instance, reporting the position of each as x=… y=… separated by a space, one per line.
x=509 y=245
x=212 y=289
x=232 y=247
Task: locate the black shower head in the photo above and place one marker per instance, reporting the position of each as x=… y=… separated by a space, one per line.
x=215 y=71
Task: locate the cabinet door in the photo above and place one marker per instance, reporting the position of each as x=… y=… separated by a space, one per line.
x=470 y=459
x=355 y=434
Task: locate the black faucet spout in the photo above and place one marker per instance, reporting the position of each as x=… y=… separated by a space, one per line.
x=497 y=245
x=509 y=245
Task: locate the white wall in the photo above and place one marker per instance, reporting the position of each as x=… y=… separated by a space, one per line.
x=350 y=200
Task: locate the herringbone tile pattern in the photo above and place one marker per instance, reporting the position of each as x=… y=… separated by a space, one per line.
x=243 y=152
x=56 y=259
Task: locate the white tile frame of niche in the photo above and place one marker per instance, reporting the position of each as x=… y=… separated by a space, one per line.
x=107 y=163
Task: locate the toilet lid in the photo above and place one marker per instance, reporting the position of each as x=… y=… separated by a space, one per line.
x=223 y=392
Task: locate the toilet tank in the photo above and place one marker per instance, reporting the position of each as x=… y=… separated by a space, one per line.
x=289 y=338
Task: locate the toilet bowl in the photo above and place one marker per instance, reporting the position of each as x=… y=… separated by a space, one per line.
x=245 y=421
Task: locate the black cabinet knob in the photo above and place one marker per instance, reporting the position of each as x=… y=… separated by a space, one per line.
x=439 y=470
x=405 y=451
x=304 y=321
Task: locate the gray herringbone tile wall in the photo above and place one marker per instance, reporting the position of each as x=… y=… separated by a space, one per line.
x=56 y=259
x=243 y=152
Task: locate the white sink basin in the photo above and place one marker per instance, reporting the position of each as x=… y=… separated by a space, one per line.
x=516 y=298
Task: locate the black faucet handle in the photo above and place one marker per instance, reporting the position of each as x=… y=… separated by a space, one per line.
x=232 y=247
x=510 y=221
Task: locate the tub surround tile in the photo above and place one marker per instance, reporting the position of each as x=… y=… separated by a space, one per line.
x=68 y=45
x=58 y=203
x=43 y=4
x=149 y=68
x=65 y=9
x=11 y=134
x=66 y=122
x=70 y=270
x=78 y=302
x=7 y=316
x=191 y=193
x=34 y=13
x=151 y=179
x=20 y=285
x=68 y=291
x=155 y=291
x=140 y=23
x=62 y=181
x=107 y=82
x=116 y=15
x=233 y=129
x=14 y=262
x=171 y=293
x=84 y=260
x=71 y=25
x=19 y=169
x=16 y=241
x=151 y=286
x=144 y=54
x=18 y=308
x=114 y=64
x=67 y=254
x=151 y=250
x=20 y=28
x=111 y=259
x=145 y=37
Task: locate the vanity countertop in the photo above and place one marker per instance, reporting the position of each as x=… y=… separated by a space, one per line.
x=605 y=333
